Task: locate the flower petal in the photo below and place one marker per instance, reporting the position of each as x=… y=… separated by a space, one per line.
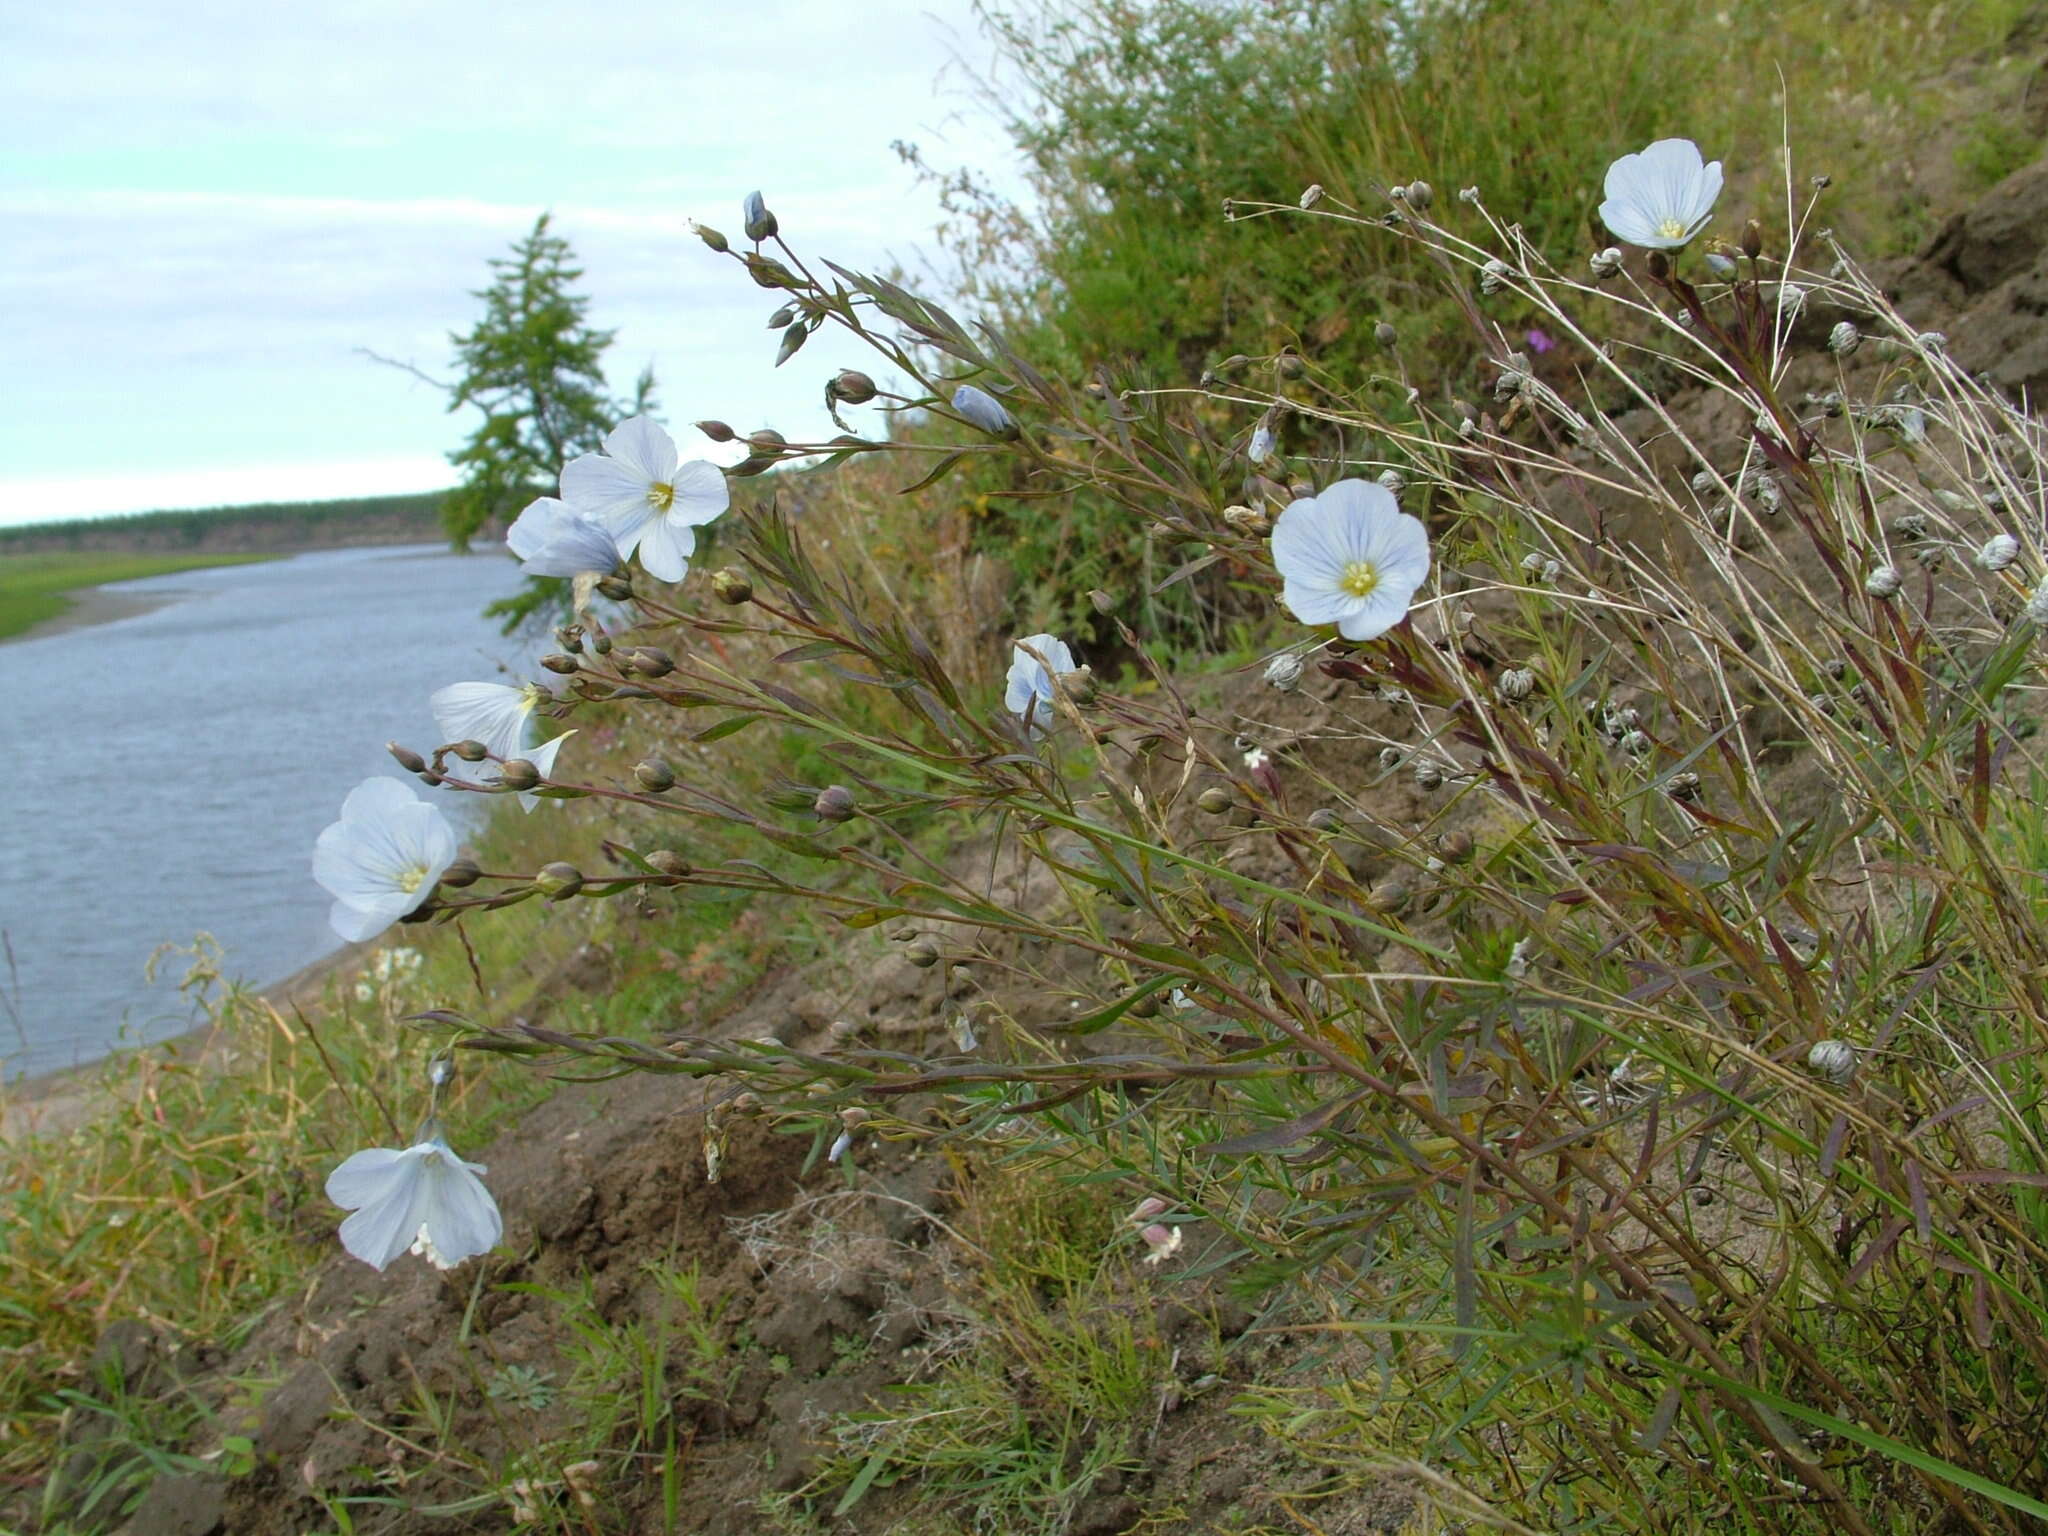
x=459 y=1219
x=642 y=445
x=665 y=548
x=610 y=492
x=533 y=528
x=543 y=758
x=490 y=713
x=702 y=493
x=367 y=1176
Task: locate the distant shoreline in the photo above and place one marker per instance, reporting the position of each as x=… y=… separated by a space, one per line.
x=94 y=605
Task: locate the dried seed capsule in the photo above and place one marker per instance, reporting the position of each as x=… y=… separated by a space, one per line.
x=1844 y=338
x=1835 y=1060
x=835 y=802
x=1999 y=552
x=1429 y=774
x=1515 y=684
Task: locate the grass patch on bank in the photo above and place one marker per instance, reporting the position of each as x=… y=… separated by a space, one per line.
x=39 y=587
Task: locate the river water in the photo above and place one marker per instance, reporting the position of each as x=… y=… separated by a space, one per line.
x=166 y=774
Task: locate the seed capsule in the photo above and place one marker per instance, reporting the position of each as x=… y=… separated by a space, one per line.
x=835 y=802
x=408 y=759
x=731 y=586
x=655 y=776
x=1835 y=1060
x=558 y=881
x=519 y=774
x=1215 y=799
x=461 y=873
x=669 y=862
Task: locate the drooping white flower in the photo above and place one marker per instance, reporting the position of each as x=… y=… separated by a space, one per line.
x=1661 y=197
x=382 y=859
x=645 y=497
x=500 y=717
x=423 y=1198
x=1350 y=557
x=552 y=538
x=1034 y=661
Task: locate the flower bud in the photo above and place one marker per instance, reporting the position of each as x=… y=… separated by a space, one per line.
x=569 y=637
x=854 y=387
x=1721 y=266
x=717 y=431
x=1248 y=521
x=768 y=440
x=731 y=586
x=1311 y=197
x=1323 y=819
x=1683 y=786
x=618 y=586
x=761 y=223
x=1455 y=847
x=650 y=661
x=1999 y=552
x=556 y=662
x=834 y=803
x=782 y=317
x=1752 y=239
x=668 y=862
x=461 y=873
x=655 y=776
x=1078 y=685
x=519 y=774
x=1260 y=448
x=1150 y=1206
x=981 y=409
x=1844 y=338
x=709 y=236
x=1834 y=1060
x=1284 y=671
x=412 y=762
x=600 y=643
x=1882 y=583
x=1420 y=194
x=1215 y=799
x=558 y=881
x=921 y=952
x=1494 y=275
x=1102 y=602
x=1391 y=758
x=1658 y=266
x=1607 y=263
x=767 y=272
x=1384 y=334
x=1429 y=774
x=1515 y=684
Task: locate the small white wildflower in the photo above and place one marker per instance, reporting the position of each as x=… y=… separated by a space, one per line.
x=1256 y=758
x=423 y=1198
x=382 y=859
x=1284 y=671
x=1661 y=197
x=1844 y=338
x=1999 y=552
x=1518 y=957
x=1164 y=1242
x=1883 y=583
x=365 y=992
x=645 y=496
x=1033 y=662
x=1260 y=448
x=1350 y=557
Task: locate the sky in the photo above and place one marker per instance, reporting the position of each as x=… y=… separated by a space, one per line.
x=212 y=209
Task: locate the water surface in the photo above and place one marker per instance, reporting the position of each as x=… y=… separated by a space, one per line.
x=166 y=774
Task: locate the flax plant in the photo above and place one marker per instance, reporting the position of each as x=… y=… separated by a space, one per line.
x=1611 y=998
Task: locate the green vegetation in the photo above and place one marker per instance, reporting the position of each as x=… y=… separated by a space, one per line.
x=1599 y=1023
x=268 y=526
x=35 y=588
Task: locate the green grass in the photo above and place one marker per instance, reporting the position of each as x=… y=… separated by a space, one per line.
x=39 y=587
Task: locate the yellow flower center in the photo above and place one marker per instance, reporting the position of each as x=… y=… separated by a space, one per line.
x=661 y=495
x=409 y=878
x=1671 y=229
x=1360 y=578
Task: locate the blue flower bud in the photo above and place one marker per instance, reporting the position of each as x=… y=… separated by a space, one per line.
x=761 y=223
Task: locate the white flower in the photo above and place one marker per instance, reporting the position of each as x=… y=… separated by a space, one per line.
x=1350 y=557
x=1033 y=663
x=1261 y=447
x=423 y=1198
x=645 y=497
x=500 y=718
x=382 y=859
x=552 y=538
x=1662 y=197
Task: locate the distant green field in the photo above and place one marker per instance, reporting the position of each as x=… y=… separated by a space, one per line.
x=38 y=587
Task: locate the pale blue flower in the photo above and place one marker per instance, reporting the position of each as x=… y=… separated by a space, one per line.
x=1034 y=662
x=423 y=1198
x=645 y=497
x=984 y=410
x=1661 y=197
x=500 y=717
x=1350 y=557
x=551 y=538
x=383 y=858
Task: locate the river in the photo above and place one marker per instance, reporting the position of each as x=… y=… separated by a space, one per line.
x=167 y=773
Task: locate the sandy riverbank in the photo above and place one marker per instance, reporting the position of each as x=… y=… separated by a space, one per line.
x=95 y=605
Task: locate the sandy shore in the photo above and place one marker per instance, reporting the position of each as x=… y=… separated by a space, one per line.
x=96 y=605
x=54 y=1102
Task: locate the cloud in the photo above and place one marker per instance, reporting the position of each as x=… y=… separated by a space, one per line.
x=210 y=216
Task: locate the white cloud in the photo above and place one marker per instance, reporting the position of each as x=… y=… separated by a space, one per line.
x=209 y=214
